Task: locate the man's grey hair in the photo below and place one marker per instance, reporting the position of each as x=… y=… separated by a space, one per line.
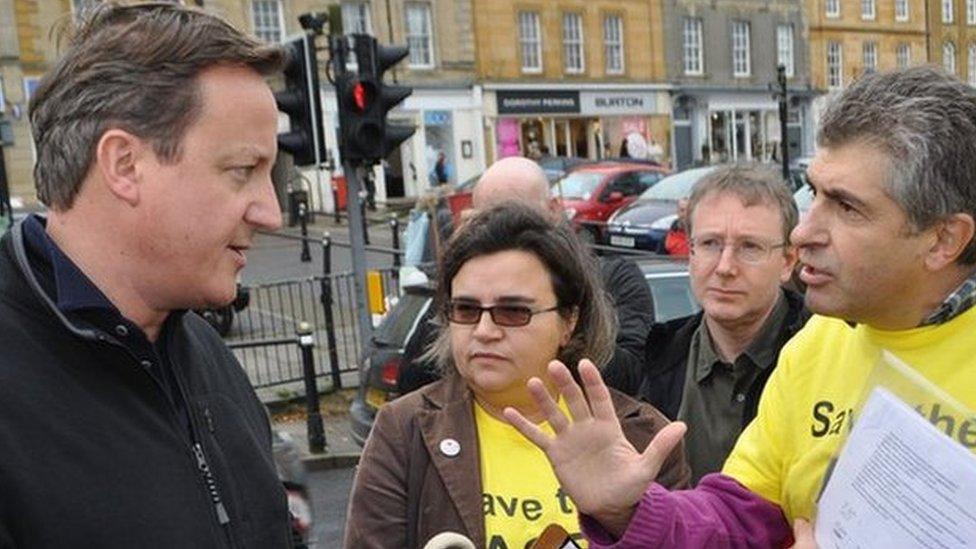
x=134 y=68
x=925 y=122
x=754 y=184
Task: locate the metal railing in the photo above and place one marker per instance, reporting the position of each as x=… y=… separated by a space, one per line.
x=304 y=341
x=326 y=302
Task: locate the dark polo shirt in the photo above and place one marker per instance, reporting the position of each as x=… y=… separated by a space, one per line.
x=77 y=297
x=715 y=392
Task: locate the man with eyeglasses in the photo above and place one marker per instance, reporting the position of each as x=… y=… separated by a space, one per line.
x=709 y=369
x=888 y=257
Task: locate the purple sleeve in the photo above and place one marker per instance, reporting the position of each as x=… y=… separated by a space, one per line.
x=720 y=512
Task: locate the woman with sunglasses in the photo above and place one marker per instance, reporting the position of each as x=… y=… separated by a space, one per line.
x=514 y=293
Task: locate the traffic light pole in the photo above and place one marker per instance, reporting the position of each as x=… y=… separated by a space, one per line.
x=365 y=137
x=357 y=245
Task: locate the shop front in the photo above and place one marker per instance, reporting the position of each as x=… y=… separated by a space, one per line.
x=716 y=127
x=591 y=123
x=448 y=130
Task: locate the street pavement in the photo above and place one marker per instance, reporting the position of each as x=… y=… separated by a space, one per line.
x=275 y=258
x=330 y=497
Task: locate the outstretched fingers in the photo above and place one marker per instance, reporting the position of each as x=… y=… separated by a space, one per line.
x=570 y=390
x=547 y=405
x=597 y=391
x=528 y=429
x=663 y=444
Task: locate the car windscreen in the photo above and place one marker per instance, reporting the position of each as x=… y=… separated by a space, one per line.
x=577 y=185
x=803 y=198
x=401 y=320
x=672 y=297
x=677 y=186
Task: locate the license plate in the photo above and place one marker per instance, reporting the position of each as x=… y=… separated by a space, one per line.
x=625 y=241
x=375 y=398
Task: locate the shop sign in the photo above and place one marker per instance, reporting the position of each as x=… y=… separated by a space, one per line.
x=437 y=118
x=608 y=103
x=538 y=102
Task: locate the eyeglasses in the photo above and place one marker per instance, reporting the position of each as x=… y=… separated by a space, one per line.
x=511 y=316
x=710 y=248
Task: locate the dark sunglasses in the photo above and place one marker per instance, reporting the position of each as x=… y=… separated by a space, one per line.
x=465 y=312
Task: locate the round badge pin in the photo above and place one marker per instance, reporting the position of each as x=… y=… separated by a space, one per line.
x=450 y=447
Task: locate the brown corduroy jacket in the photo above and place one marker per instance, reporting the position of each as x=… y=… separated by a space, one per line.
x=409 y=489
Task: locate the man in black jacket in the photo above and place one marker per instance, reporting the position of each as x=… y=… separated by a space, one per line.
x=709 y=369
x=124 y=419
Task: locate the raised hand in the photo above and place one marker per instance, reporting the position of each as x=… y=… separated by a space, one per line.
x=595 y=464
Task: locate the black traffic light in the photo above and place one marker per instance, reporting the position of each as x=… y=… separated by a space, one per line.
x=301 y=102
x=364 y=100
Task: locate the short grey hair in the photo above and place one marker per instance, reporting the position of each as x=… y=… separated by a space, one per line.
x=925 y=122
x=754 y=184
x=134 y=68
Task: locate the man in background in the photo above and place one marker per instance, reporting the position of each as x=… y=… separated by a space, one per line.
x=709 y=369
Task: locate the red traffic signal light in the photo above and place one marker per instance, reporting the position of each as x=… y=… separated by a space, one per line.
x=362 y=96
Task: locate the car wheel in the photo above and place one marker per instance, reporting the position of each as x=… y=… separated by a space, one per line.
x=221 y=319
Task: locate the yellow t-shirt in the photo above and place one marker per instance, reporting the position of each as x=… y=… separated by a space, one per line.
x=521 y=494
x=810 y=398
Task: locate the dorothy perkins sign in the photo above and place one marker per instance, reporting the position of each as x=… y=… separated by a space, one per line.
x=537 y=102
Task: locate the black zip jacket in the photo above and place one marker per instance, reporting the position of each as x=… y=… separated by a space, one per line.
x=661 y=380
x=92 y=451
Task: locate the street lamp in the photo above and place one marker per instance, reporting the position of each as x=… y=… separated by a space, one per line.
x=781 y=94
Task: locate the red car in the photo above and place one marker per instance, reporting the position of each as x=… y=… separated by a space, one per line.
x=590 y=194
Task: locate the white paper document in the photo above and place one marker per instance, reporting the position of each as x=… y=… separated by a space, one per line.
x=899 y=483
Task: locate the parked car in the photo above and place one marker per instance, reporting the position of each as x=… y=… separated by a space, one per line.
x=670 y=288
x=384 y=370
x=644 y=223
x=591 y=194
x=803 y=198
x=382 y=365
x=556 y=167
x=222 y=318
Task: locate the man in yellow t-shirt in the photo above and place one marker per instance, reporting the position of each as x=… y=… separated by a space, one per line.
x=889 y=260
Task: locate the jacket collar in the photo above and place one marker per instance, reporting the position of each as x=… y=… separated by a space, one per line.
x=17 y=242
x=448 y=414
